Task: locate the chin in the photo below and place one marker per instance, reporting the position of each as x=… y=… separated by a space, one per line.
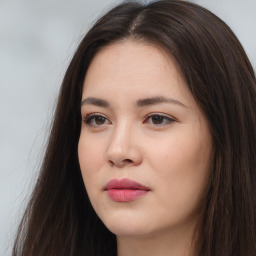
x=125 y=226
x=126 y=231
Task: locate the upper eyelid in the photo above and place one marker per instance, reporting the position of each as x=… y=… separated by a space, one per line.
x=160 y=114
x=86 y=117
x=95 y=114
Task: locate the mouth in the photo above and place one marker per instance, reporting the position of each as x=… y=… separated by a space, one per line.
x=125 y=190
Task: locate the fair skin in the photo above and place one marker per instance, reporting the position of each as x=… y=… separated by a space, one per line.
x=164 y=145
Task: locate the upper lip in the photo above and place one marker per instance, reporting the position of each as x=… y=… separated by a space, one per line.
x=125 y=184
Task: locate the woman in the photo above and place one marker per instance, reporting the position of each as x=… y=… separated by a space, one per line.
x=152 y=149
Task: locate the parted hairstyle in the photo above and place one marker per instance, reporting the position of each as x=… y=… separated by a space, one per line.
x=59 y=219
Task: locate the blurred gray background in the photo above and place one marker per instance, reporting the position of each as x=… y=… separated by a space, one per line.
x=37 y=40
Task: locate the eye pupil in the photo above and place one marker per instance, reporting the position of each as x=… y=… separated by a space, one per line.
x=100 y=120
x=157 y=119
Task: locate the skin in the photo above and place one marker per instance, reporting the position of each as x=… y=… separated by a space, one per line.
x=172 y=157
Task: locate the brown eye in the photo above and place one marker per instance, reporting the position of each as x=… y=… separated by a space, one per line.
x=99 y=120
x=157 y=119
x=95 y=120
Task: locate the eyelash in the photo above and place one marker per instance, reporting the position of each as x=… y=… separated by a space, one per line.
x=90 y=117
x=168 y=119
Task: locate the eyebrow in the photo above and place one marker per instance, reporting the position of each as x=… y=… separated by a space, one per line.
x=158 y=100
x=95 y=101
x=140 y=103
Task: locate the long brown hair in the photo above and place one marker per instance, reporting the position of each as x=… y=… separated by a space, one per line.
x=60 y=220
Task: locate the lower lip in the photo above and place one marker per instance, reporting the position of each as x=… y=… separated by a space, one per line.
x=125 y=195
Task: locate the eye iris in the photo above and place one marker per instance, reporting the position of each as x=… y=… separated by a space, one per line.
x=157 y=119
x=99 y=120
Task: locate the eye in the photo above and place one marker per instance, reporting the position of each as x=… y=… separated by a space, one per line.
x=158 y=119
x=95 y=120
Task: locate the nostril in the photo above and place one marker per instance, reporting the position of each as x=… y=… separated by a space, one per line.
x=128 y=161
x=120 y=163
x=111 y=162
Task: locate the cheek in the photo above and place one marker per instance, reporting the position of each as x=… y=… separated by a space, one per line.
x=90 y=157
x=182 y=167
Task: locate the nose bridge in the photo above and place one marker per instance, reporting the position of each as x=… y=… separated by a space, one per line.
x=122 y=147
x=121 y=139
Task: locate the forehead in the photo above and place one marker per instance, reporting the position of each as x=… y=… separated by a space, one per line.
x=130 y=67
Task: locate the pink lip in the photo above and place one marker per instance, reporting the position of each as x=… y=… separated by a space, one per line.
x=125 y=190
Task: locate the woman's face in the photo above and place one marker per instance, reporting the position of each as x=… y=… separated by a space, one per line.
x=142 y=125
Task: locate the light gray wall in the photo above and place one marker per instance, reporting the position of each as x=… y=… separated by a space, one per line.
x=240 y=15
x=37 y=40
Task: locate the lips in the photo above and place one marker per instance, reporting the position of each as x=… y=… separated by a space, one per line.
x=125 y=190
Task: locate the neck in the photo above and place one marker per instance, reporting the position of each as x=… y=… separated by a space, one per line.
x=172 y=243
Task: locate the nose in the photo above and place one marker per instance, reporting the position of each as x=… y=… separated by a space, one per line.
x=124 y=149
